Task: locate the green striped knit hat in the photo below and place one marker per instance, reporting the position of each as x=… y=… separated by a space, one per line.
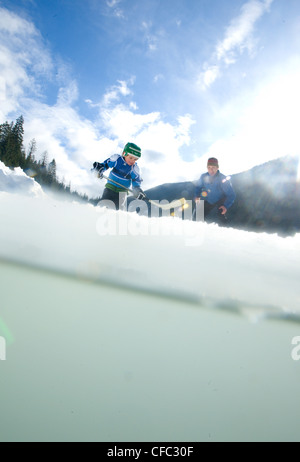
x=132 y=149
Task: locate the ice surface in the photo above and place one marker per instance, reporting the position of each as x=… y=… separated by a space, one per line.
x=119 y=327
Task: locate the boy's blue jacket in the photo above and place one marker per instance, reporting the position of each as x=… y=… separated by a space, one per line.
x=123 y=173
x=214 y=188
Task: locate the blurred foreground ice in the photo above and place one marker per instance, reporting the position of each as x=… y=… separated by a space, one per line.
x=123 y=328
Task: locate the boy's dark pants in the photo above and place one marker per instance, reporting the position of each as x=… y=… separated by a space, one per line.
x=118 y=198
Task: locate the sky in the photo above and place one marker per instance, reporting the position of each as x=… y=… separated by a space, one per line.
x=184 y=80
x=97 y=304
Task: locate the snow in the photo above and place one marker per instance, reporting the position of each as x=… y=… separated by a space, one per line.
x=169 y=255
x=167 y=319
x=16 y=181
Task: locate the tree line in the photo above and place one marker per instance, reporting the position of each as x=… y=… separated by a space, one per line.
x=13 y=154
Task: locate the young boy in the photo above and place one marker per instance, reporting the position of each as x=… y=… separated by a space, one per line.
x=125 y=172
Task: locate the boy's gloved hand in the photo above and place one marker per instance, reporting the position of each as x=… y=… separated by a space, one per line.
x=139 y=194
x=99 y=168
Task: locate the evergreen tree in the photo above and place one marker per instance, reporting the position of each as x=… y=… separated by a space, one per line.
x=5 y=130
x=52 y=170
x=11 y=143
x=44 y=160
x=18 y=131
x=30 y=163
x=31 y=150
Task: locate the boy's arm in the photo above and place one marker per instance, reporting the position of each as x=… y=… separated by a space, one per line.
x=138 y=193
x=136 y=185
x=100 y=168
x=108 y=163
x=136 y=177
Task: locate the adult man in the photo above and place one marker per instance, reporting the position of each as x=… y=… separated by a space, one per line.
x=216 y=190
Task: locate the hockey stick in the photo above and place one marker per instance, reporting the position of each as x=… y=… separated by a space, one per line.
x=171 y=205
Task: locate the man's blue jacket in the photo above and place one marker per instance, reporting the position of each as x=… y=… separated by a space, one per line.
x=214 y=188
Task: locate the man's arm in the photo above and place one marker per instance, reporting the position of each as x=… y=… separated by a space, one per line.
x=229 y=193
x=198 y=188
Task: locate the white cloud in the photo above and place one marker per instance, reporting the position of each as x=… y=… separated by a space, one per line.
x=150 y=38
x=208 y=77
x=238 y=37
x=158 y=77
x=116 y=11
x=2 y=89
x=68 y=95
x=14 y=25
x=23 y=60
x=268 y=127
x=133 y=106
x=116 y=92
x=112 y=3
x=68 y=138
